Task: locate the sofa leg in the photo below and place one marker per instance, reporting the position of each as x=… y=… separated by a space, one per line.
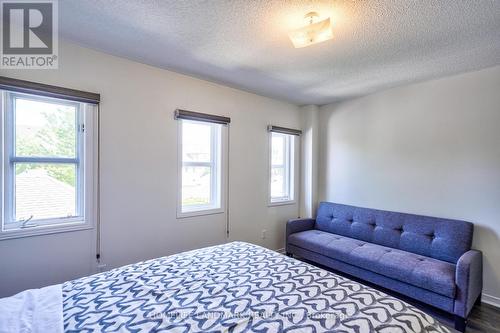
x=478 y=300
x=460 y=324
x=289 y=254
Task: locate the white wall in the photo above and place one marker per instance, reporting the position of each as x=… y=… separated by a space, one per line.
x=309 y=174
x=430 y=148
x=139 y=168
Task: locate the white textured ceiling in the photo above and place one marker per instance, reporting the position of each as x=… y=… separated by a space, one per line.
x=244 y=43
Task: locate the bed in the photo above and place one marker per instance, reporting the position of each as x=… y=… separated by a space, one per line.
x=235 y=287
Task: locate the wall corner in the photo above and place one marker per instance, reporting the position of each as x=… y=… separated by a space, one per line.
x=309 y=160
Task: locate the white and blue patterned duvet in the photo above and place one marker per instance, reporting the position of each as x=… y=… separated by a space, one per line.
x=236 y=287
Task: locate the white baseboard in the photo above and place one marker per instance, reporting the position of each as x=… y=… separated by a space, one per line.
x=282 y=250
x=491 y=300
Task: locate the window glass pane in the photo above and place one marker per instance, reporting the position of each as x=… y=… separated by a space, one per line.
x=196 y=141
x=277 y=149
x=44 y=129
x=45 y=190
x=277 y=182
x=196 y=185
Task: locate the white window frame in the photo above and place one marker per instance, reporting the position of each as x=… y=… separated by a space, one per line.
x=217 y=164
x=289 y=166
x=85 y=161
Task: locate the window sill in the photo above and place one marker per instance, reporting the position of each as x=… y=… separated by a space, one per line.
x=44 y=230
x=281 y=203
x=199 y=213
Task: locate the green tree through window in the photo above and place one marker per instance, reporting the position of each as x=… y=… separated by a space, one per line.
x=58 y=135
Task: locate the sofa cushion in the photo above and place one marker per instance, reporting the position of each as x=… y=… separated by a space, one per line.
x=424 y=272
x=438 y=238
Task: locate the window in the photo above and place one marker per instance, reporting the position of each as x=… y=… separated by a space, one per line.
x=282 y=168
x=201 y=146
x=48 y=170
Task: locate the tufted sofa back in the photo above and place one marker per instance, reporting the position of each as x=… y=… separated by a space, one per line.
x=433 y=237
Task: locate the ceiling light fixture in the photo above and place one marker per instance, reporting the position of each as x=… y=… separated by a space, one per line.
x=315 y=32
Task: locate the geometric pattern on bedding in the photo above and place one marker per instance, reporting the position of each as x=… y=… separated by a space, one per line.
x=235 y=287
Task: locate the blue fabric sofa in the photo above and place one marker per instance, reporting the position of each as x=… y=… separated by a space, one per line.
x=426 y=258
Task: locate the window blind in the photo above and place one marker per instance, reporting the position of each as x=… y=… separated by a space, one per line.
x=191 y=115
x=35 y=88
x=284 y=130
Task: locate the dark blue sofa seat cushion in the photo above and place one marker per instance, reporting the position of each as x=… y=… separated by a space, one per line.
x=424 y=272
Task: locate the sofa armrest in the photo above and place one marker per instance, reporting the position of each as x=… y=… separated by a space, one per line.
x=469 y=281
x=297 y=225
